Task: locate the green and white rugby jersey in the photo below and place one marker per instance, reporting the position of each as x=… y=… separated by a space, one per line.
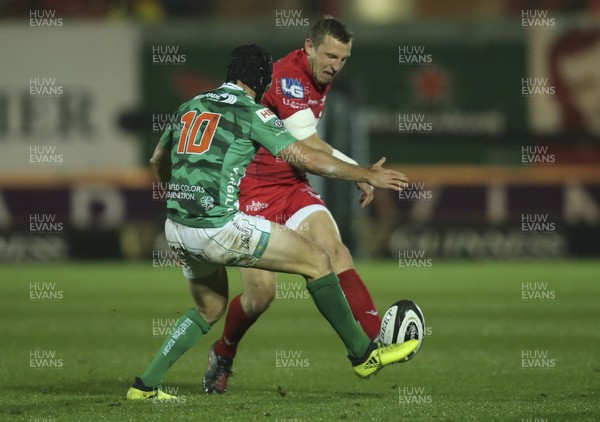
x=217 y=136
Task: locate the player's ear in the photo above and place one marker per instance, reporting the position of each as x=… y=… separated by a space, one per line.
x=308 y=46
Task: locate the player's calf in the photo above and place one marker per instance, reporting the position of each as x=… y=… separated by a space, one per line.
x=210 y=294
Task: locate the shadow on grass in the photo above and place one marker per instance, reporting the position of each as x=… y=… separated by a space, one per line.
x=100 y=387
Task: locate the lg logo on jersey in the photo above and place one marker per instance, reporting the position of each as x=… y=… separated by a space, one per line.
x=292 y=88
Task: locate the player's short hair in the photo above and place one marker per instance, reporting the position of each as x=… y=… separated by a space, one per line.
x=252 y=65
x=328 y=25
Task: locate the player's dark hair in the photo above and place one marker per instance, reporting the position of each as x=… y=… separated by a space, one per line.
x=328 y=25
x=253 y=66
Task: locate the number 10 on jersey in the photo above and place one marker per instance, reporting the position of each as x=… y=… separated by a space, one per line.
x=192 y=121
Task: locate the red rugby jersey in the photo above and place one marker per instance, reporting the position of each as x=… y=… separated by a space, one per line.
x=293 y=89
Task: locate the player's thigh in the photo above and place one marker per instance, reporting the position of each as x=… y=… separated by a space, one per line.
x=289 y=252
x=240 y=242
x=259 y=290
x=247 y=241
x=321 y=229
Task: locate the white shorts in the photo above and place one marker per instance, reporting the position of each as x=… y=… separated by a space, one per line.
x=239 y=243
x=293 y=223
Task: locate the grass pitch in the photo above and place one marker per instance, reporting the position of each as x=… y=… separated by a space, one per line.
x=506 y=341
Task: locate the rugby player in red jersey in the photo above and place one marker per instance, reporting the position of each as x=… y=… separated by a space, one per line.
x=278 y=192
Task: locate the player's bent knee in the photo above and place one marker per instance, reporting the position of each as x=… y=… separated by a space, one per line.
x=256 y=300
x=212 y=311
x=340 y=255
x=319 y=264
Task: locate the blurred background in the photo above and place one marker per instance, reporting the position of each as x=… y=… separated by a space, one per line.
x=492 y=108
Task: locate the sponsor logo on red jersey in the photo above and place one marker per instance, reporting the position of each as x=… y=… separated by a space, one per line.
x=292 y=88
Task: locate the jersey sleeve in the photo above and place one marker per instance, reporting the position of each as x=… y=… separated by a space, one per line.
x=268 y=130
x=288 y=93
x=166 y=139
x=301 y=124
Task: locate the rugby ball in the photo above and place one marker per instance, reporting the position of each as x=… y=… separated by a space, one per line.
x=403 y=321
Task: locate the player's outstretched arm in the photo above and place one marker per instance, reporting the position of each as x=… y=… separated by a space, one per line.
x=314 y=141
x=161 y=164
x=324 y=164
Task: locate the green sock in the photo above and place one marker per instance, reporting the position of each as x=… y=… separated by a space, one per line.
x=331 y=302
x=186 y=332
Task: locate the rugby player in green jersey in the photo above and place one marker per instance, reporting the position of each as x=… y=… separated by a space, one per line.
x=202 y=162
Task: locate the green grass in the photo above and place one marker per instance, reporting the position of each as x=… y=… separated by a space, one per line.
x=469 y=368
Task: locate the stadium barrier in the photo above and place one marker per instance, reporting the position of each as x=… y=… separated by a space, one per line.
x=447 y=211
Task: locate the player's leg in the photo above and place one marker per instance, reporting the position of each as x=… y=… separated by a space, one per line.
x=316 y=224
x=210 y=294
x=208 y=286
x=289 y=252
x=210 y=297
x=243 y=311
x=262 y=244
x=259 y=286
x=272 y=247
x=258 y=292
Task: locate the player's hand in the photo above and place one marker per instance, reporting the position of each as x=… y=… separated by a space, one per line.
x=366 y=196
x=386 y=178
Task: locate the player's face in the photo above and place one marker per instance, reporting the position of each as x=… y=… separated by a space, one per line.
x=327 y=59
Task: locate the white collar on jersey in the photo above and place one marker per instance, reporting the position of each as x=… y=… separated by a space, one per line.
x=231 y=86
